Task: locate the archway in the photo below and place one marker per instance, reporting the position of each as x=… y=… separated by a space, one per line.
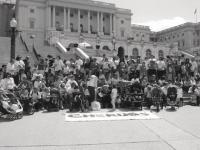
x=135 y=53
x=106 y=48
x=121 y=53
x=160 y=54
x=148 y=53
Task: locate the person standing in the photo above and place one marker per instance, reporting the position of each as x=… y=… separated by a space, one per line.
x=161 y=70
x=58 y=65
x=92 y=85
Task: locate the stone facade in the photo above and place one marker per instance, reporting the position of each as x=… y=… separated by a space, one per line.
x=186 y=35
x=97 y=23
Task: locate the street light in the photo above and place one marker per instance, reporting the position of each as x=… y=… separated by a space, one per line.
x=33 y=38
x=13 y=26
x=114 y=42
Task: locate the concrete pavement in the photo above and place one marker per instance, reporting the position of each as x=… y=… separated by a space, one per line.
x=178 y=130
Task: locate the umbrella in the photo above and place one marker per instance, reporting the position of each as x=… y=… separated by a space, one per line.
x=84 y=45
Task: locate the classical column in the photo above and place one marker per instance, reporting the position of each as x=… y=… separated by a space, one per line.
x=48 y=17
x=97 y=22
x=54 y=17
x=68 y=19
x=101 y=23
x=89 y=31
x=111 y=25
x=79 y=21
x=114 y=25
x=64 y=28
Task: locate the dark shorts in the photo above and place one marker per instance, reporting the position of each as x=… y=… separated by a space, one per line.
x=161 y=73
x=151 y=72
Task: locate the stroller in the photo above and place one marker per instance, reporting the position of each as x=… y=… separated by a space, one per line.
x=26 y=101
x=51 y=103
x=157 y=97
x=135 y=95
x=10 y=106
x=172 y=100
x=76 y=101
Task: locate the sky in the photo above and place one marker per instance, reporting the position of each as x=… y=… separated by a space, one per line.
x=160 y=14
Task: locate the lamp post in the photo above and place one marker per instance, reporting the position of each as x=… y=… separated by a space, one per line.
x=114 y=46
x=33 y=38
x=114 y=43
x=13 y=26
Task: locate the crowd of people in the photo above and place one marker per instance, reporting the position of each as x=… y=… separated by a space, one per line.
x=87 y=76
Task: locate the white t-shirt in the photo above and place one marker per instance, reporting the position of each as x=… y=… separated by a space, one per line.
x=93 y=81
x=114 y=94
x=58 y=64
x=194 y=66
x=161 y=65
x=79 y=63
x=7 y=84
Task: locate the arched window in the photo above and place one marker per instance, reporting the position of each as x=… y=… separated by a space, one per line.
x=160 y=54
x=135 y=53
x=81 y=26
x=148 y=53
x=72 y=27
x=106 y=48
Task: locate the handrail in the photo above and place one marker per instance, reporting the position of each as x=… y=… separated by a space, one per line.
x=35 y=53
x=26 y=47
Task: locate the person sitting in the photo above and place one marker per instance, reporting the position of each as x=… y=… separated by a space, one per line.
x=74 y=102
x=114 y=95
x=36 y=98
x=95 y=106
x=25 y=84
x=7 y=83
x=92 y=85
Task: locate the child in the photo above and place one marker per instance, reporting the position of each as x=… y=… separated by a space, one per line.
x=147 y=92
x=114 y=96
x=36 y=98
x=62 y=91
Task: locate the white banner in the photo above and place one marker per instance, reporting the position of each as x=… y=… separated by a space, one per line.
x=110 y=116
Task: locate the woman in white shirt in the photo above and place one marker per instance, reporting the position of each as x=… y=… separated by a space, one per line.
x=58 y=64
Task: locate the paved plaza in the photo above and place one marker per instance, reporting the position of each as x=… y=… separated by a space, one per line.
x=178 y=130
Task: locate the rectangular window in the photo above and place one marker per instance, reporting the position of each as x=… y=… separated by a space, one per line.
x=122 y=33
x=32 y=10
x=32 y=24
x=57 y=13
x=198 y=43
x=183 y=43
x=194 y=43
x=197 y=32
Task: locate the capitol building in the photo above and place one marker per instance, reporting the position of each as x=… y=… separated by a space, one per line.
x=104 y=26
x=49 y=25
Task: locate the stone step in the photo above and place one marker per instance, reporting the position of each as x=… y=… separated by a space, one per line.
x=4 y=50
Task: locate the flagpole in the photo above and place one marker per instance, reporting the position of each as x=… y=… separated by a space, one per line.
x=195 y=14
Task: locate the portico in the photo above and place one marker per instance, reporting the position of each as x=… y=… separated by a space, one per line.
x=79 y=20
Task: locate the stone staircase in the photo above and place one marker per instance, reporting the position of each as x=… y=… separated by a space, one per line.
x=24 y=50
x=4 y=50
x=53 y=51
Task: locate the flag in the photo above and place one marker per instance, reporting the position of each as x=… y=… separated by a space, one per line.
x=195 y=11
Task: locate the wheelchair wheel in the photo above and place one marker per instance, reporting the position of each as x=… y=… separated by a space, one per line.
x=20 y=115
x=31 y=111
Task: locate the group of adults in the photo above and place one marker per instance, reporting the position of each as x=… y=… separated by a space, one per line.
x=97 y=72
